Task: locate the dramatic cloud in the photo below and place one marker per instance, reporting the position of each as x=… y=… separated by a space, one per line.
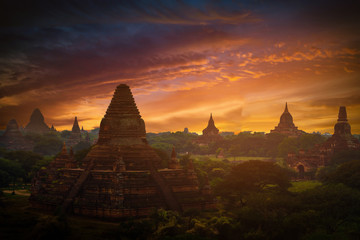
x=183 y=61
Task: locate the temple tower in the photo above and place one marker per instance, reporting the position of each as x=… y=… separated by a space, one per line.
x=75 y=135
x=37 y=123
x=210 y=133
x=286 y=125
x=342 y=127
x=210 y=129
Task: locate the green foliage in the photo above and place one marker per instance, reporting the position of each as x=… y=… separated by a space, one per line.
x=345 y=156
x=81 y=146
x=346 y=173
x=26 y=159
x=322 y=212
x=305 y=142
x=27 y=163
x=135 y=229
x=65 y=134
x=81 y=154
x=9 y=171
x=243 y=144
x=302 y=186
x=164 y=157
x=50 y=227
x=252 y=176
x=183 y=142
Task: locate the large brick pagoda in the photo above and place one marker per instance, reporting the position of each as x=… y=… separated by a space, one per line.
x=120 y=176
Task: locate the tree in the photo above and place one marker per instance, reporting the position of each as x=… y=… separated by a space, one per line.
x=347 y=173
x=345 y=156
x=253 y=176
x=164 y=157
x=9 y=170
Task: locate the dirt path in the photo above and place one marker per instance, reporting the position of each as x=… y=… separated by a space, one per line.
x=18 y=192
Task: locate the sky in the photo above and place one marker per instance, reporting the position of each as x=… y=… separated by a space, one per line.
x=239 y=60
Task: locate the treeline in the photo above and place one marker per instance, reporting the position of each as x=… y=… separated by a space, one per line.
x=50 y=144
x=244 y=144
x=19 y=167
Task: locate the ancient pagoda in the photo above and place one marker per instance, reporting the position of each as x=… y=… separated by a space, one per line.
x=13 y=138
x=75 y=135
x=37 y=123
x=120 y=176
x=286 y=125
x=341 y=140
x=210 y=133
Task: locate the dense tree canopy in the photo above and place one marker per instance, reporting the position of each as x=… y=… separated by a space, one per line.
x=253 y=177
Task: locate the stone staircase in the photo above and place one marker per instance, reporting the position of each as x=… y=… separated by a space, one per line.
x=167 y=193
x=77 y=187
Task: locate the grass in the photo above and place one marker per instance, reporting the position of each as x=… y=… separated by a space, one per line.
x=231 y=159
x=302 y=186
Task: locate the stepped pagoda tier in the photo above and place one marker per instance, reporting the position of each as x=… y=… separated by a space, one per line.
x=13 y=139
x=120 y=176
x=37 y=123
x=210 y=133
x=75 y=135
x=286 y=125
x=321 y=155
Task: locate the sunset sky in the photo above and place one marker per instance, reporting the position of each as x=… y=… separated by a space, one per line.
x=183 y=60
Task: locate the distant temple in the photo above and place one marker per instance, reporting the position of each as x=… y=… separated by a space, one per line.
x=52 y=129
x=286 y=125
x=120 y=176
x=13 y=139
x=210 y=133
x=321 y=155
x=37 y=123
x=75 y=135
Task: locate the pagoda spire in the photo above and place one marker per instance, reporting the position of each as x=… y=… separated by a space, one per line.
x=286 y=108
x=63 y=150
x=76 y=127
x=342 y=114
x=211 y=121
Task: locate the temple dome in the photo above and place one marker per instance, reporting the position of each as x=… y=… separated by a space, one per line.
x=286 y=125
x=286 y=120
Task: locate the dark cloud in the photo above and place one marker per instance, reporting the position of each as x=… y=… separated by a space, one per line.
x=353 y=100
x=59 y=13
